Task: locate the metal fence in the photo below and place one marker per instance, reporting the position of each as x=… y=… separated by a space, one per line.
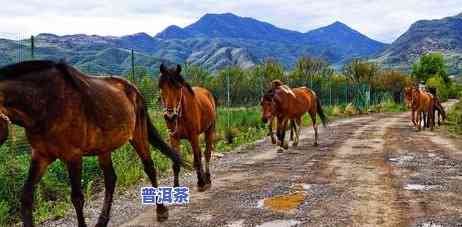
x=228 y=91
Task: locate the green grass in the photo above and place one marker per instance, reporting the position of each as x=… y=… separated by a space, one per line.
x=52 y=197
x=455 y=119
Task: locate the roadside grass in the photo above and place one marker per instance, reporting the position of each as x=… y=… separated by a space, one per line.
x=455 y=119
x=235 y=126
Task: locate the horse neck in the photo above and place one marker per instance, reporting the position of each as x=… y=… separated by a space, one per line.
x=22 y=100
x=188 y=102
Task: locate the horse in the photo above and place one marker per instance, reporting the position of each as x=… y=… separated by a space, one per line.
x=268 y=118
x=189 y=112
x=68 y=115
x=437 y=106
x=422 y=105
x=292 y=104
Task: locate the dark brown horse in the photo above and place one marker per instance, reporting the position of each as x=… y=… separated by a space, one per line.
x=188 y=111
x=292 y=104
x=437 y=106
x=67 y=115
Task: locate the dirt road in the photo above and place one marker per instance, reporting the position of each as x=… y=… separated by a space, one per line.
x=372 y=170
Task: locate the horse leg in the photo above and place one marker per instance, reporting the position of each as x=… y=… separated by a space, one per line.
x=201 y=185
x=38 y=166
x=110 y=179
x=418 y=120
x=315 y=128
x=209 y=140
x=270 y=131
x=298 y=125
x=414 y=117
x=74 y=167
x=142 y=149
x=281 y=132
x=291 y=126
x=175 y=143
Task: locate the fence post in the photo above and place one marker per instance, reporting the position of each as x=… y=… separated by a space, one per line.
x=32 y=47
x=133 y=66
x=228 y=97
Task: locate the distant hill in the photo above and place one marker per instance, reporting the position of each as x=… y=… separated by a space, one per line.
x=214 y=41
x=443 y=35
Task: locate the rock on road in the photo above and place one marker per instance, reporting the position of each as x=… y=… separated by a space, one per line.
x=372 y=170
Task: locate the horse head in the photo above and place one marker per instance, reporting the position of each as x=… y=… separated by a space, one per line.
x=266 y=106
x=409 y=96
x=172 y=85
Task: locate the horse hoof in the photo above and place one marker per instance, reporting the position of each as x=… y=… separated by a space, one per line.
x=280 y=150
x=204 y=187
x=162 y=213
x=294 y=144
x=273 y=141
x=315 y=144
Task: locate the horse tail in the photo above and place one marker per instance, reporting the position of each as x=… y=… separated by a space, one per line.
x=156 y=140
x=320 y=111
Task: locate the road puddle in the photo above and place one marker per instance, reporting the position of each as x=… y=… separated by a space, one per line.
x=402 y=159
x=280 y=223
x=283 y=203
x=237 y=223
x=431 y=224
x=418 y=187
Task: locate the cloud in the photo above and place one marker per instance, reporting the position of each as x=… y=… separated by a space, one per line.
x=383 y=20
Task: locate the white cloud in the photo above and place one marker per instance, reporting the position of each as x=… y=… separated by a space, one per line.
x=383 y=20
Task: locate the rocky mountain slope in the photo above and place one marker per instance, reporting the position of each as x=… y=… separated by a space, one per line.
x=443 y=35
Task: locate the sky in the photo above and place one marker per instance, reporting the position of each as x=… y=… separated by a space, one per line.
x=383 y=20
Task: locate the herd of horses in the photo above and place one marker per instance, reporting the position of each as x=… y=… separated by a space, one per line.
x=425 y=106
x=68 y=115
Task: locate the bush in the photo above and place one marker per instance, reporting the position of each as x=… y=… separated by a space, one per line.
x=442 y=89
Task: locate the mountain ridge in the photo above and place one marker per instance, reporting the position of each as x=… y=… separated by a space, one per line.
x=214 y=41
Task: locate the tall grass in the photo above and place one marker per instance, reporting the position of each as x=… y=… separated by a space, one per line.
x=455 y=118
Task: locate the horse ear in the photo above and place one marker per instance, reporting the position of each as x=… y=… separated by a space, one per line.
x=162 y=68
x=178 y=69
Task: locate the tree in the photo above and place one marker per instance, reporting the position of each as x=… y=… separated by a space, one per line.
x=309 y=69
x=359 y=71
x=196 y=75
x=430 y=65
x=393 y=81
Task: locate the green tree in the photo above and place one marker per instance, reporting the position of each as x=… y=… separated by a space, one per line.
x=308 y=70
x=442 y=88
x=196 y=75
x=394 y=81
x=359 y=71
x=430 y=65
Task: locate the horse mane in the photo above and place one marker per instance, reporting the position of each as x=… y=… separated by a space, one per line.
x=17 y=70
x=22 y=68
x=175 y=79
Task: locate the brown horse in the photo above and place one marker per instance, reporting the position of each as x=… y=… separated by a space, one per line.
x=292 y=104
x=67 y=115
x=188 y=112
x=267 y=116
x=422 y=104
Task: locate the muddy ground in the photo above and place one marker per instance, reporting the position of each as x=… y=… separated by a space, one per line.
x=372 y=170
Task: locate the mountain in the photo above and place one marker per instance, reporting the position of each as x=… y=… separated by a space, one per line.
x=214 y=42
x=424 y=36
